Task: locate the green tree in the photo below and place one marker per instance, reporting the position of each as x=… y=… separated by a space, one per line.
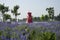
x=42 y=18
x=36 y=18
x=51 y=12
x=15 y=11
x=46 y=18
x=58 y=17
x=3 y=9
x=7 y=16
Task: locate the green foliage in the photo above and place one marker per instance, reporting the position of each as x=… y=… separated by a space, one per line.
x=15 y=11
x=53 y=36
x=51 y=12
x=13 y=19
x=3 y=9
x=1 y=33
x=7 y=16
x=34 y=34
x=7 y=32
x=57 y=17
x=49 y=36
x=46 y=18
x=36 y=18
x=42 y=18
x=14 y=35
x=10 y=33
x=42 y=36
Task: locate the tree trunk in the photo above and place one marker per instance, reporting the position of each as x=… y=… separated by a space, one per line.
x=3 y=18
x=15 y=18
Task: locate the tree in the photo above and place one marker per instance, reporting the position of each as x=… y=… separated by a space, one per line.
x=3 y=9
x=58 y=17
x=51 y=12
x=15 y=11
x=36 y=18
x=7 y=16
x=42 y=18
x=46 y=18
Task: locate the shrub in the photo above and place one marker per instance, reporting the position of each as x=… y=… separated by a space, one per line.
x=42 y=35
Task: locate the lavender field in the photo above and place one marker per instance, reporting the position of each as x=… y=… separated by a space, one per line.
x=14 y=30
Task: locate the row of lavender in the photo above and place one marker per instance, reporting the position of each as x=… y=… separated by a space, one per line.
x=52 y=26
x=13 y=28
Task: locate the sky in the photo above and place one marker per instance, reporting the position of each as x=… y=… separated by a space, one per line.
x=37 y=7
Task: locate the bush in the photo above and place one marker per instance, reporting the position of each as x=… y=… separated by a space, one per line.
x=42 y=36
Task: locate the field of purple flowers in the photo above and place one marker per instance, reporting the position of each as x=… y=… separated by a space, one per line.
x=16 y=30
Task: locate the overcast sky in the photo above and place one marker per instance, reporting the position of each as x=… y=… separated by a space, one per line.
x=37 y=7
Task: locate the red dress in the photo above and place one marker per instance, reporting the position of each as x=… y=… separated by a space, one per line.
x=29 y=18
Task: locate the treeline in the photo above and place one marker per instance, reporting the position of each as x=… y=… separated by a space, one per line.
x=50 y=17
x=46 y=18
x=43 y=18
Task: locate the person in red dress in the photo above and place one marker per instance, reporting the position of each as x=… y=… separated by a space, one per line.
x=29 y=18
